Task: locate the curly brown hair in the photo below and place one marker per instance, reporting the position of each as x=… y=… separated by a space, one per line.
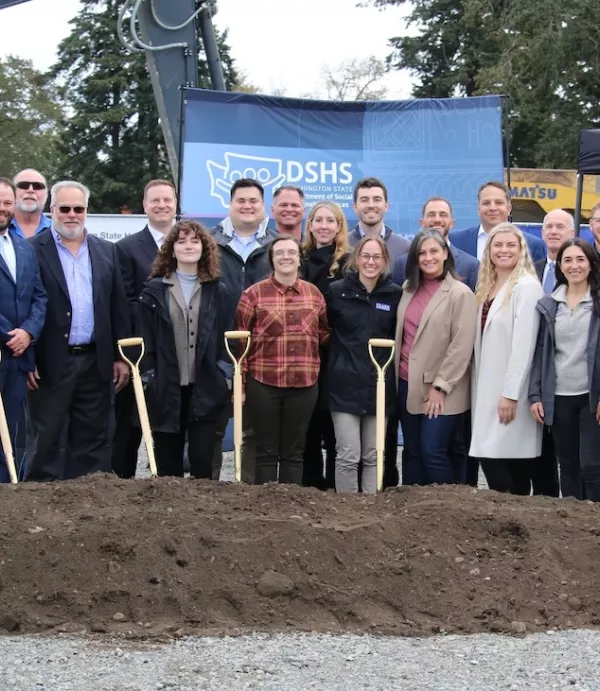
x=208 y=266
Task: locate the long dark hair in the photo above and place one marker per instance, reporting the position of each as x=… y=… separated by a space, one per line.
x=413 y=274
x=593 y=278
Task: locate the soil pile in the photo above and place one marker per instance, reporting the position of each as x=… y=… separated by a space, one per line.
x=171 y=556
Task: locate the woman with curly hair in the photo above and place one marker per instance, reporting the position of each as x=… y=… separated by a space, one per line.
x=184 y=313
x=325 y=257
x=506 y=439
x=564 y=390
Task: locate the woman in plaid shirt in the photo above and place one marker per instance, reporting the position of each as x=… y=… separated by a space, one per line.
x=287 y=319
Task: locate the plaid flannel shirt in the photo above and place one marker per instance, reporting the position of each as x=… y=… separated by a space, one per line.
x=287 y=323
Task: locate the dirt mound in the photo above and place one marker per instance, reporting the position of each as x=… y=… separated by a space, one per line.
x=181 y=556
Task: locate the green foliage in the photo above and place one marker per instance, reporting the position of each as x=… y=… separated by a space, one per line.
x=112 y=140
x=544 y=54
x=29 y=118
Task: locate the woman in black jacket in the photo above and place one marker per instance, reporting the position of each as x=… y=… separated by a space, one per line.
x=184 y=313
x=359 y=307
x=325 y=257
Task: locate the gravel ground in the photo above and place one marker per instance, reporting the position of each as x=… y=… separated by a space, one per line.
x=297 y=662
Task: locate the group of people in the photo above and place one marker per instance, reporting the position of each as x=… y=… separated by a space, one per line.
x=496 y=335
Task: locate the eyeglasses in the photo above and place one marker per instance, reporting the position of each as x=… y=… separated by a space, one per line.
x=37 y=186
x=368 y=257
x=68 y=209
x=285 y=253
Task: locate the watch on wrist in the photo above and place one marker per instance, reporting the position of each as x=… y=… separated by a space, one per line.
x=439 y=388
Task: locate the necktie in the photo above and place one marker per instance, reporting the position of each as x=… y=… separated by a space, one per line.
x=7 y=255
x=550 y=280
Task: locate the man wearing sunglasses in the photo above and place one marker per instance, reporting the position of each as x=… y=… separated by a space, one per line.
x=76 y=356
x=32 y=194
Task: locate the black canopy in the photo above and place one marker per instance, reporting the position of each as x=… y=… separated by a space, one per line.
x=588 y=158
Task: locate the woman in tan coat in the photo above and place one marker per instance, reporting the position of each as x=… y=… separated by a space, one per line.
x=434 y=345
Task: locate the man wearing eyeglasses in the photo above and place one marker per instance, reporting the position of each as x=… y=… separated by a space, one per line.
x=76 y=356
x=32 y=195
x=595 y=226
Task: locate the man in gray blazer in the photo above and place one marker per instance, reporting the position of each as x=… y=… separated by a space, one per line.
x=371 y=204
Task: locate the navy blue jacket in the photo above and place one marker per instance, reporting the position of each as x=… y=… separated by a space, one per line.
x=355 y=316
x=111 y=312
x=22 y=304
x=466 y=240
x=467 y=268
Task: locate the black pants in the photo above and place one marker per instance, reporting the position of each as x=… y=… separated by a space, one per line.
x=81 y=399
x=577 y=437
x=511 y=475
x=320 y=433
x=279 y=418
x=201 y=434
x=391 y=475
x=127 y=436
x=544 y=470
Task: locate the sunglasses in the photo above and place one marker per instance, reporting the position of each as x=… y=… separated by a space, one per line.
x=68 y=209
x=37 y=186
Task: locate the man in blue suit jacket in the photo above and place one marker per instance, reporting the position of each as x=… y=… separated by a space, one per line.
x=437 y=214
x=494 y=207
x=22 y=313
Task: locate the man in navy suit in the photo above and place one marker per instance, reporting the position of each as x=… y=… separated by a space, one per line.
x=76 y=356
x=22 y=313
x=437 y=214
x=494 y=207
x=136 y=254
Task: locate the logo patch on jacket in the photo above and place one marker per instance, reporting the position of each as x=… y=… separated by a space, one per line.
x=383 y=306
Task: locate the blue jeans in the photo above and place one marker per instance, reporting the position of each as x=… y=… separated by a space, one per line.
x=426 y=456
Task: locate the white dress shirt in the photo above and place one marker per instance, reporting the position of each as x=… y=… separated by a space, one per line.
x=7 y=249
x=158 y=237
x=482 y=238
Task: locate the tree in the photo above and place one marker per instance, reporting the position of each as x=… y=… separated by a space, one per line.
x=355 y=80
x=112 y=140
x=540 y=53
x=29 y=118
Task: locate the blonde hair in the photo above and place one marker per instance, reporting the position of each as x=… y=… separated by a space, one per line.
x=341 y=239
x=487 y=271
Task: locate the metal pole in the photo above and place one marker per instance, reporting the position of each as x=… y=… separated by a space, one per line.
x=211 y=49
x=578 y=200
x=505 y=101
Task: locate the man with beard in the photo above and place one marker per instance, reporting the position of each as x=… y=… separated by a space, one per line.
x=437 y=213
x=32 y=194
x=22 y=311
x=76 y=356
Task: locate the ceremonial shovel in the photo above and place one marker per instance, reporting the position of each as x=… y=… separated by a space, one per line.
x=6 y=441
x=139 y=397
x=380 y=406
x=237 y=397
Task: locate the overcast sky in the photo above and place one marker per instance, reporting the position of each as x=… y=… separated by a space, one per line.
x=276 y=48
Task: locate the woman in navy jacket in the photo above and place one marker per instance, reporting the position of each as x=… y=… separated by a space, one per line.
x=359 y=307
x=564 y=388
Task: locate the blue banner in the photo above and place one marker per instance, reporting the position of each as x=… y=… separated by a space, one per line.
x=419 y=148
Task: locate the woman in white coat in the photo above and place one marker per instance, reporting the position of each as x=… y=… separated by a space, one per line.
x=505 y=437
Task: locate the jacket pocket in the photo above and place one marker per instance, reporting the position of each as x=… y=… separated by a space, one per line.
x=429 y=377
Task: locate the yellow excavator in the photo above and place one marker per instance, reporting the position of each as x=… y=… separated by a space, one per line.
x=535 y=191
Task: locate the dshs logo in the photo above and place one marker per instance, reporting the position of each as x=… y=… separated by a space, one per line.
x=271 y=173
